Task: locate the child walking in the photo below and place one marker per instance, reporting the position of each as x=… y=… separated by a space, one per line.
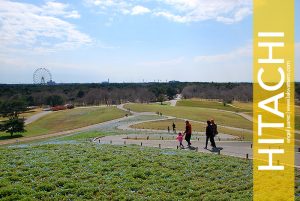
x=180 y=138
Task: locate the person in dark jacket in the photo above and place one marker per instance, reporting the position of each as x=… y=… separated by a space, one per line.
x=174 y=127
x=188 y=132
x=214 y=127
x=210 y=135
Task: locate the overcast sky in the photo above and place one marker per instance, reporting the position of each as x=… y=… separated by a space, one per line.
x=129 y=41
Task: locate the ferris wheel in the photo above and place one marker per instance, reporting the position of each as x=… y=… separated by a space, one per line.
x=42 y=76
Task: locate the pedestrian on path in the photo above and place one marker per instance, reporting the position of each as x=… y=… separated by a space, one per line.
x=168 y=129
x=209 y=135
x=188 y=132
x=174 y=127
x=180 y=139
x=214 y=127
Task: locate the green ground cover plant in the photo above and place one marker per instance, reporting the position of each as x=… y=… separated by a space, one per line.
x=105 y=172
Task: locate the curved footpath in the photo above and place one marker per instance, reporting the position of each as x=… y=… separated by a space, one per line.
x=73 y=131
x=36 y=117
x=124 y=134
x=227 y=144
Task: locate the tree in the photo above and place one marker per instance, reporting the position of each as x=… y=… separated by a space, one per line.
x=13 y=125
x=54 y=100
x=11 y=110
x=80 y=94
x=171 y=92
x=161 y=98
x=30 y=100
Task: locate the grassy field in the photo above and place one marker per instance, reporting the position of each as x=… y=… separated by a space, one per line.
x=297 y=117
x=239 y=107
x=247 y=106
x=199 y=127
x=71 y=119
x=26 y=114
x=83 y=171
x=194 y=113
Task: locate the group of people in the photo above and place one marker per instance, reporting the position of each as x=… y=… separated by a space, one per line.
x=211 y=132
x=174 y=128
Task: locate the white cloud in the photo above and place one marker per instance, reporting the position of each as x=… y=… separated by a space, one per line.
x=182 y=11
x=58 y=9
x=226 y=11
x=139 y=10
x=233 y=55
x=172 y=17
x=118 y=5
x=38 y=28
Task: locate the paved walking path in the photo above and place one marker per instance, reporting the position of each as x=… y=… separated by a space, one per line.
x=228 y=144
x=229 y=147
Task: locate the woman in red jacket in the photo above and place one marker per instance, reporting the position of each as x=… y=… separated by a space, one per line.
x=188 y=132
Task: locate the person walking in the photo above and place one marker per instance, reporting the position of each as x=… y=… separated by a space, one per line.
x=174 y=127
x=209 y=135
x=180 y=139
x=214 y=127
x=168 y=129
x=188 y=132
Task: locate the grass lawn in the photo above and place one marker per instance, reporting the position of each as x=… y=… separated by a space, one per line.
x=213 y=105
x=26 y=114
x=195 y=113
x=180 y=126
x=246 y=106
x=297 y=117
x=86 y=171
x=71 y=119
x=297 y=122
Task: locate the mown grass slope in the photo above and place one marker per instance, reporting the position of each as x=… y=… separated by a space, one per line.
x=199 y=127
x=195 y=113
x=236 y=107
x=71 y=119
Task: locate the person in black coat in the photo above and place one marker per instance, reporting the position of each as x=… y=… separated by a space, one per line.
x=174 y=127
x=210 y=135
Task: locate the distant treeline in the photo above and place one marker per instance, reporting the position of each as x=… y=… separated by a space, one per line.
x=116 y=93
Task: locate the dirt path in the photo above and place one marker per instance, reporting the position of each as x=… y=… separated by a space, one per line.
x=246 y=116
x=36 y=117
x=174 y=101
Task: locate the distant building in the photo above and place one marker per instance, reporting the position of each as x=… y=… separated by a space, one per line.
x=105 y=82
x=51 y=82
x=174 y=81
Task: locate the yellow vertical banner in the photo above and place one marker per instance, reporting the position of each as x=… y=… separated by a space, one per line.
x=273 y=100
